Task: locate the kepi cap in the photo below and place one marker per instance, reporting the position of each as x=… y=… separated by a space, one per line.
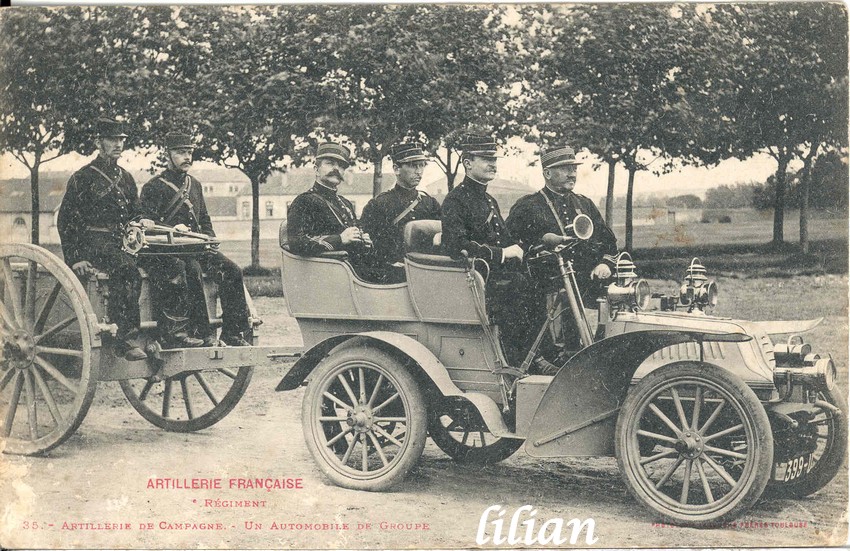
x=479 y=146
x=558 y=155
x=179 y=140
x=109 y=128
x=330 y=150
x=407 y=153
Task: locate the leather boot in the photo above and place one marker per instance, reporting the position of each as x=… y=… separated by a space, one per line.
x=174 y=333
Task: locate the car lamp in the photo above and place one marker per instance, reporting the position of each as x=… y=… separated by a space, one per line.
x=628 y=292
x=697 y=291
x=815 y=371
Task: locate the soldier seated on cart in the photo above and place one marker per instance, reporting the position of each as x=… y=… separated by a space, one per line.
x=322 y=220
x=384 y=216
x=175 y=198
x=100 y=198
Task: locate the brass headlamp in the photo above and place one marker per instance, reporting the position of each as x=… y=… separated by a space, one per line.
x=697 y=291
x=628 y=292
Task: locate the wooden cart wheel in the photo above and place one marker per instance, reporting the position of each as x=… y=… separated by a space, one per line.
x=713 y=449
x=364 y=419
x=463 y=436
x=49 y=350
x=189 y=401
x=829 y=433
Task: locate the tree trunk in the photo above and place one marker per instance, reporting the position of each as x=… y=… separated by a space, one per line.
x=779 y=200
x=36 y=206
x=609 y=196
x=255 y=221
x=629 y=215
x=450 y=174
x=378 y=176
x=806 y=185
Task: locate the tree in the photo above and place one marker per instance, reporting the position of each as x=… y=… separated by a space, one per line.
x=786 y=76
x=687 y=201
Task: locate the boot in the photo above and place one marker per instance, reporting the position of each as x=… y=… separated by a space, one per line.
x=174 y=333
x=129 y=350
x=234 y=339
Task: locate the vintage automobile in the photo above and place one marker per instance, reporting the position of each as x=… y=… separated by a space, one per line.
x=702 y=413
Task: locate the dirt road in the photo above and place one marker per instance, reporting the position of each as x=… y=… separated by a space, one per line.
x=93 y=491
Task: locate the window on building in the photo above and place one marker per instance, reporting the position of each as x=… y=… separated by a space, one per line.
x=246 y=209
x=270 y=209
x=20 y=222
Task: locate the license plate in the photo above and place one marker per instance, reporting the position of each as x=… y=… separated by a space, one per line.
x=793 y=469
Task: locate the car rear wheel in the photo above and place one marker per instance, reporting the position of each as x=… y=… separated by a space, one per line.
x=364 y=419
x=694 y=444
x=463 y=436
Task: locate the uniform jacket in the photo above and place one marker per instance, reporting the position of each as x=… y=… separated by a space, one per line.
x=159 y=194
x=99 y=196
x=315 y=220
x=379 y=219
x=531 y=218
x=472 y=222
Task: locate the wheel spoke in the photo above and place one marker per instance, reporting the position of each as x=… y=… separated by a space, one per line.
x=206 y=388
x=679 y=409
x=376 y=389
x=351 y=444
x=669 y=472
x=187 y=401
x=656 y=436
x=56 y=328
x=481 y=436
x=386 y=435
x=229 y=372
x=686 y=483
x=362 y=378
x=46 y=308
x=347 y=388
x=12 y=290
x=337 y=401
x=7 y=377
x=336 y=438
x=337 y=419
x=697 y=408
x=29 y=292
x=58 y=351
x=390 y=419
x=48 y=397
x=365 y=452
x=720 y=470
x=727 y=453
x=143 y=395
x=7 y=318
x=32 y=414
x=166 y=399
x=705 y=486
x=380 y=451
x=724 y=432
x=712 y=417
x=384 y=404
x=13 y=405
x=657 y=456
x=660 y=414
x=53 y=372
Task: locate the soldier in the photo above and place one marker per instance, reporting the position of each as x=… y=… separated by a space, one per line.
x=384 y=216
x=174 y=198
x=551 y=210
x=472 y=223
x=320 y=219
x=100 y=198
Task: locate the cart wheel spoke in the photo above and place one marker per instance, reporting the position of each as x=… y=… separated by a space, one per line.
x=334 y=419
x=206 y=388
x=47 y=307
x=483 y=440
x=390 y=419
x=385 y=403
x=387 y=435
x=670 y=470
x=14 y=295
x=337 y=401
x=686 y=482
x=712 y=417
x=661 y=455
x=679 y=409
x=375 y=390
x=362 y=378
x=338 y=437
x=229 y=372
x=697 y=408
x=465 y=438
x=143 y=395
x=4 y=380
x=187 y=401
x=7 y=317
x=706 y=487
x=32 y=414
x=720 y=471
x=724 y=432
x=349 y=449
x=56 y=328
x=53 y=372
x=29 y=293
x=378 y=448
x=728 y=453
x=166 y=399
x=13 y=405
x=347 y=388
x=364 y=452
x=58 y=351
x=656 y=436
x=48 y=398
x=660 y=414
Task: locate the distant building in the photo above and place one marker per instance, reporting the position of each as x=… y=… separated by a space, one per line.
x=506 y=192
x=16 y=208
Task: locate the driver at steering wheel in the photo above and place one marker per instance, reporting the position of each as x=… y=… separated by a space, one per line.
x=552 y=210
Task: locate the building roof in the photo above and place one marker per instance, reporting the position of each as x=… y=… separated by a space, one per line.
x=221 y=206
x=16 y=196
x=300 y=180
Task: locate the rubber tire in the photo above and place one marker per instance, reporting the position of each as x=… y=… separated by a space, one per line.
x=490 y=454
x=411 y=397
x=762 y=443
x=831 y=462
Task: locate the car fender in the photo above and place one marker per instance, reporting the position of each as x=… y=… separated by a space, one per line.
x=426 y=364
x=578 y=412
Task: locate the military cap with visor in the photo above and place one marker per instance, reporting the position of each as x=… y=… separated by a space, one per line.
x=558 y=155
x=179 y=140
x=330 y=150
x=479 y=146
x=109 y=128
x=407 y=153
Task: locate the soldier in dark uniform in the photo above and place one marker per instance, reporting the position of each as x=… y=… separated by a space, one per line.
x=551 y=210
x=175 y=198
x=320 y=219
x=384 y=216
x=473 y=223
x=100 y=198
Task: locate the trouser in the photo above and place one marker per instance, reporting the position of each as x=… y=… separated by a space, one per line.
x=231 y=291
x=125 y=285
x=169 y=295
x=508 y=293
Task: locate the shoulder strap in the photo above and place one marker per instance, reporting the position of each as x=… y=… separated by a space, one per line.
x=113 y=184
x=333 y=210
x=181 y=196
x=409 y=208
x=554 y=213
